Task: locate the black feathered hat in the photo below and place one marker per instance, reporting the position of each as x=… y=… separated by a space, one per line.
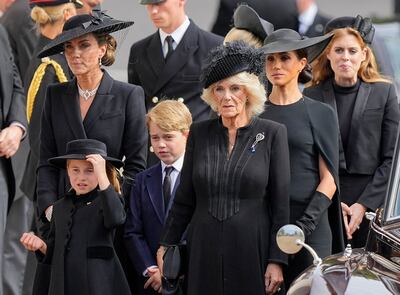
x=80 y=25
x=246 y=18
x=43 y=3
x=284 y=40
x=80 y=148
x=232 y=58
x=363 y=25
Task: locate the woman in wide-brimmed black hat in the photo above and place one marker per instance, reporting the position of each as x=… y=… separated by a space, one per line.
x=347 y=78
x=78 y=256
x=313 y=144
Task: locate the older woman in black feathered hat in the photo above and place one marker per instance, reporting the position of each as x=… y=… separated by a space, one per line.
x=313 y=143
x=234 y=184
x=92 y=105
x=347 y=78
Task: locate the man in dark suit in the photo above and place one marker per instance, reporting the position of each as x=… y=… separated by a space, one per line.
x=154 y=191
x=173 y=73
x=282 y=14
x=13 y=127
x=311 y=21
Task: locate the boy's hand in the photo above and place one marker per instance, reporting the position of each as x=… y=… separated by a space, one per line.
x=154 y=280
x=99 y=168
x=33 y=243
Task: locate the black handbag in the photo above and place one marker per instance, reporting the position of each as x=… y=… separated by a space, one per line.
x=174 y=269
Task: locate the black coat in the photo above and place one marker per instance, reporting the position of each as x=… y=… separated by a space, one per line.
x=12 y=106
x=80 y=246
x=318 y=25
x=116 y=117
x=372 y=135
x=28 y=184
x=282 y=14
x=235 y=205
x=180 y=76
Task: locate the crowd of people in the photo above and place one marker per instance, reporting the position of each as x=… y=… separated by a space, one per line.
x=178 y=181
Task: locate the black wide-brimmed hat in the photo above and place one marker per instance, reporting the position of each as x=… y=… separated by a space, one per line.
x=80 y=25
x=363 y=25
x=227 y=60
x=145 y=2
x=80 y=148
x=246 y=18
x=284 y=40
x=43 y=3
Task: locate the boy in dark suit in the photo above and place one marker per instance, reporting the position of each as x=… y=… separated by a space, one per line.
x=154 y=190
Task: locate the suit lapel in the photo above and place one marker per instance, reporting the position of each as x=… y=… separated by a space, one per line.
x=154 y=188
x=359 y=106
x=155 y=54
x=185 y=49
x=100 y=102
x=69 y=101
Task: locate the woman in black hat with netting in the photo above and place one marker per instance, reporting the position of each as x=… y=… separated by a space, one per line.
x=234 y=184
x=313 y=144
x=92 y=105
x=346 y=77
x=78 y=255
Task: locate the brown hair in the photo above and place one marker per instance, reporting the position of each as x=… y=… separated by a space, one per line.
x=109 y=57
x=236 y=34
x=368 y=71
x=113 y=176
x=170 y=115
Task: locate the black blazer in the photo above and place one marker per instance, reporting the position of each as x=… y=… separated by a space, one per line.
x=12 y=104
x=180 y=76
x=372 y=134
x=282 y=14
x=318 y=25
x=116 y=117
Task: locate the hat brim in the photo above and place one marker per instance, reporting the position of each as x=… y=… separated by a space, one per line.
x=106 y=27
x=246 y=18
x=61 y=161
x=314 y=46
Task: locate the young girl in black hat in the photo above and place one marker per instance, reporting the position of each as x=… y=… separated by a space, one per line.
x=78 y=256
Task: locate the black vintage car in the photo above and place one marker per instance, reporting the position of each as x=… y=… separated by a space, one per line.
x=373 y=270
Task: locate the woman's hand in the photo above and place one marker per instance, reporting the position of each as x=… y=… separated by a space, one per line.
x=273 y=278
x=346 y=212
x=99 y=168
x=154 y=280
x=358 y=211
x=33 y=243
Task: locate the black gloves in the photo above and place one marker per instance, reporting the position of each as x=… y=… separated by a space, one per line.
x=317 y=206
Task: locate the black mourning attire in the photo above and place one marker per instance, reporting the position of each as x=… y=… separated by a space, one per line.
x=311 y=131
x=235 y=203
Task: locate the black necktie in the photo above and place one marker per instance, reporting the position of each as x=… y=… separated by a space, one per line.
x=169 y=40
x=167 y=186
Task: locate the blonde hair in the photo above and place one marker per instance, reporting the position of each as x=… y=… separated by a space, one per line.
x=113 y=176
x=368 y=71
x=236 y=34
x=49 y=14
x=170 y=115
x=254 y=89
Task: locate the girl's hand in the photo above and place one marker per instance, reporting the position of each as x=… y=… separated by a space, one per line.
x=99 y=168
x=33 y=243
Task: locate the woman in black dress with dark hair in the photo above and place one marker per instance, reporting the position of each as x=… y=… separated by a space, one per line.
x=346 y=77
x=313 y=145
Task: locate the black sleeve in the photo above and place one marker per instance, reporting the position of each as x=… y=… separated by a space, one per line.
x=112 y=206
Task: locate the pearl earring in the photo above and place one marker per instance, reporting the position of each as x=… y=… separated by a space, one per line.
x=100 y=64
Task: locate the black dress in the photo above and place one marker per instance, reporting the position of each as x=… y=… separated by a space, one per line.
x=235 y=204
x=304 y=153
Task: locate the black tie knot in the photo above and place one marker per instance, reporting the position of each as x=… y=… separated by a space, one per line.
x=168 y=170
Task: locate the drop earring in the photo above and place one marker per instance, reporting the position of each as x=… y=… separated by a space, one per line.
x=100 y=64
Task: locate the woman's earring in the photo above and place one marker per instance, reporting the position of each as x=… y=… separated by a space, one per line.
x=100 y=64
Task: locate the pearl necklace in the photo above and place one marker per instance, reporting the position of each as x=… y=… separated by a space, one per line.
x=86 y=94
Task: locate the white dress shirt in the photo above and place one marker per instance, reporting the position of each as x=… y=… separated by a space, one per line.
x=306 y=19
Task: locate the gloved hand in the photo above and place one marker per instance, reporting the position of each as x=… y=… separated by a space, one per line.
x=317 y=206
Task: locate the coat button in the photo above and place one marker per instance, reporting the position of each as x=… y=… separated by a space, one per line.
x=154 y=99
x=180 y=99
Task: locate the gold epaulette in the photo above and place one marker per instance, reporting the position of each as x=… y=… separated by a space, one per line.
x=37 y=80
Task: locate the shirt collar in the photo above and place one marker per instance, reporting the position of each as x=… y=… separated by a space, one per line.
x=308 y=16
x=177 y=35
x=177 y=164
